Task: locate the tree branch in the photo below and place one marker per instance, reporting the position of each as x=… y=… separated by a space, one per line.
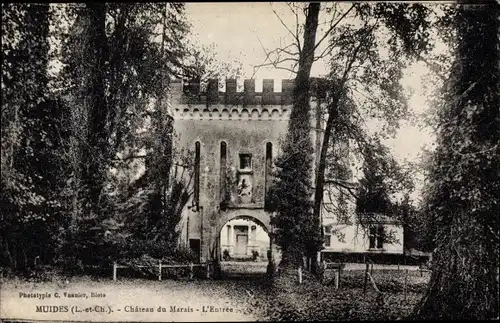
x=295 y=36
x=346 y=185
x=332 y=27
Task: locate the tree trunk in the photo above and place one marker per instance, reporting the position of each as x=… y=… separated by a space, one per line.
x=466 y=194
x=320 y=175
x=294 y=218
x=96 y=155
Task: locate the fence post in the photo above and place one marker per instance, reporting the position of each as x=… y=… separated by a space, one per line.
x=366 y=278
x=337 y=278
x=159 y=270
x=208 y=270
x=300 y=274
x=191 y=270
x=405 y=284
x=114 y=270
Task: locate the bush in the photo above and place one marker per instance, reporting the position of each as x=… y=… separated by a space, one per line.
x=255 y=255
x=225 y=255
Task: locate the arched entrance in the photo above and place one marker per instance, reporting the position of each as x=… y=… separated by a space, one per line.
x=244 y=246
x=244 y=239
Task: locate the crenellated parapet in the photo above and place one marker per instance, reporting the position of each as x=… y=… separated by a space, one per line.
x=189 y=102
x=189 y=93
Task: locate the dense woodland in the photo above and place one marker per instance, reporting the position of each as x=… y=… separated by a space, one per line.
x=73 y=142
x=87 y=151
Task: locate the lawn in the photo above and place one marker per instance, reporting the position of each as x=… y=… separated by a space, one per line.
x=287 y=300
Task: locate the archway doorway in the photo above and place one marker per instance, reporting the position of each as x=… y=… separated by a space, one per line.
x=244 y=239
x=244 y=247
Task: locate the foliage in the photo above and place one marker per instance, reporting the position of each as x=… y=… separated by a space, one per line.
x=33 y=134
x=202 y=64
x=133 y=123
x=369 y=51
x=225 y=255
x=87 y=149
x=372 y=196
x=463 y=191
x=368 y=47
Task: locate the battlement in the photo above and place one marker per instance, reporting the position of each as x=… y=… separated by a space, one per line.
x=190 y=94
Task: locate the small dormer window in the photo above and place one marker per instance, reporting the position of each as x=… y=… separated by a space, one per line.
x=245 y=161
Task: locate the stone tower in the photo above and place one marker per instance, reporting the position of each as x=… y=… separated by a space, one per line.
x=232 y=138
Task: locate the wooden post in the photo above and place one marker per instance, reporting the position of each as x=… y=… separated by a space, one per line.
x=337 y=278
x=208 y=270
x=159 y=270
x=191 y=270
x=300 y=275
x=323 y=270
x=114 y=271
x=405 y=284
x=366 y=278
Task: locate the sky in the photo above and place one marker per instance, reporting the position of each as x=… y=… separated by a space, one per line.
x=241 y=30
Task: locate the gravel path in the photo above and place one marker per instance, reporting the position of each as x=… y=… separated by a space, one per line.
x=128 y=300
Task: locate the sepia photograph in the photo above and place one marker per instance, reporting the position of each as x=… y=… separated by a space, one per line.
x=250 y=161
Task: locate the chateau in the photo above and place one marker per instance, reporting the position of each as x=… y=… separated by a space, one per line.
x=233 y=138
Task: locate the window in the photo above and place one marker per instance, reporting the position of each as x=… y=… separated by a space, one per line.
x=327 y=210
x=195 y=247
x=268 y=169
x=245 y=161
x=224 y=191
x=196 y=198
x=269 y=154
x=376 y=237
x=327 y=236
x=223 y=151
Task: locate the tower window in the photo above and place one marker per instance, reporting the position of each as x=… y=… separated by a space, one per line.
x=245 y=161
x=269 y=153
x=196 y=198
x=224 y=193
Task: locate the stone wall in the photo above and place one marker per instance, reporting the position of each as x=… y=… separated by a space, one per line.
x=246 y=122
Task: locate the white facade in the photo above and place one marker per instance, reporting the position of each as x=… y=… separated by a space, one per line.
x=343 y=232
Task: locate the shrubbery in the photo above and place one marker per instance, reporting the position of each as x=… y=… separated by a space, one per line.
x=255 y=255
x=225 y=255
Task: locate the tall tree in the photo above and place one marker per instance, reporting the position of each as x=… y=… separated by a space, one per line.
x=117 y=64
x=94 y=160
x=464 y=190
x=290 y=194
x=366 y=46
x=372 y=194
x=32 y=133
